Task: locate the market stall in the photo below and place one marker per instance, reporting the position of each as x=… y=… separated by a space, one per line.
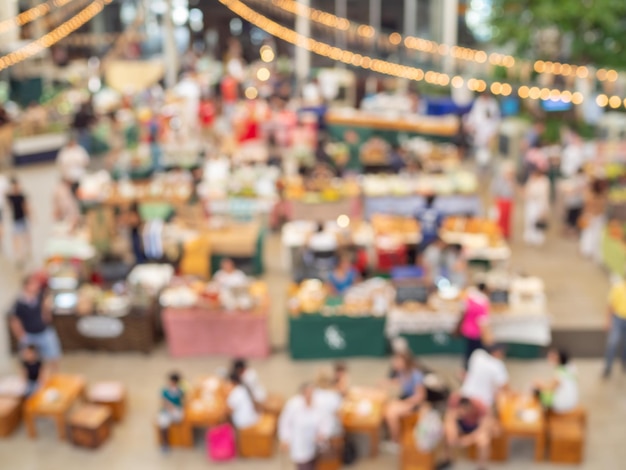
x=201 y=319
x=322 y=326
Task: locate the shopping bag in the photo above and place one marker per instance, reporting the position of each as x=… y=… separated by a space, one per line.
x=220 y=443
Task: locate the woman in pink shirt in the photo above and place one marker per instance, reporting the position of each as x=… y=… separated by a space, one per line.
x=474 y=319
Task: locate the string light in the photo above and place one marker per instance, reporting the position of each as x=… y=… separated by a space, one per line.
x=377 y=65
x=424 y=45
x=54 y=36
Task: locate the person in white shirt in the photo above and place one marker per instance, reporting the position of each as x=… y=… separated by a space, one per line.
x=322 y=241
x=486 y=375
x=241 y=404
x=482 y=122
x=560 y=395
x=73 y=161
x=302 y=427
x=250 y=379
x=328 y=399
x=66 y=209
x=229 y=276
x=536 y=208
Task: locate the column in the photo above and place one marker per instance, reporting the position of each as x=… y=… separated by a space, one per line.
x=170 y=56
x=341 y=10
x=410 y=17
x=375 y=18
x=302 y=55
x=450 y=31
x=9 y=9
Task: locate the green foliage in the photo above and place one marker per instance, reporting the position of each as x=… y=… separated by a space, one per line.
x=595 y=29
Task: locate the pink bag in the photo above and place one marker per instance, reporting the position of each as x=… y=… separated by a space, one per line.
x=220 y=443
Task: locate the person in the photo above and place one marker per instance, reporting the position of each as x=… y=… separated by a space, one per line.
x=343 y=276
x=328 y=399
x=409 y=378
x=31 y=321
x=433 y=260
x=397 y=161
x=302 y=427
x=593 y=220
x=323 y=241
x=20 y=209
x=561 y=393
x=486 y=375
x=228 y=276
x=467 y=422
x=73 y=161
x=616 y=325
x=4 y=188
x=536 y=208
x=474 y=320
x=241 y=404
x=172 y=400
x=83 y=121
x=430 y=220
x=250 y=379
x=503 y=191
x=455 y=265
x=65 y=205
x=132 y=219
x=574 y=201
x=482 y=122
x=32 y=368
x=342 y=378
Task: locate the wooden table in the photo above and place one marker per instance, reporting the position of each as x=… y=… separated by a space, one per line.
x=363 y=412
x=522 y=416
x=205 y=406
x=68 y=387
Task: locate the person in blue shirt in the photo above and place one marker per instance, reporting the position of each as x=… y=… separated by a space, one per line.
x=343 y=276
x=430 y=219
x=172 y=399
x=410 y=379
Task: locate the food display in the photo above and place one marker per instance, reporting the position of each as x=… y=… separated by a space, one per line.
x=433 y=156
x=320 y=189
x=187 y=292
x=404 y=230
x=471 y=232
x=455 y=182
x=369 y=298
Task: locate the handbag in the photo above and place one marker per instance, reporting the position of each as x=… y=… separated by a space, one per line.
x=220 y=442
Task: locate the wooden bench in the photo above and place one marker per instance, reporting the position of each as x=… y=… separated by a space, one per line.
x=109 y=394
x=258 y=441
x=90 y=425
x=411 y=458
x=10 y=415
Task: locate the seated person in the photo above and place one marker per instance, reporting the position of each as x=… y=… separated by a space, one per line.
x=250 y=379
x=561 y=393
x=467 y=422
x=241 y=404
x=409 y=378
x=328 y=399
x=171 y=408
x=322 y=241
x=342 y=378
x=342 y=277
x=228 y=276
x=32 y=368
x=433 y=260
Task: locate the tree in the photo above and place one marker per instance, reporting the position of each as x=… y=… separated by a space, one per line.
x=578 y=31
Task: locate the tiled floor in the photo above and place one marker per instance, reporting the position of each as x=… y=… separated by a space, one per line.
x=576 y=290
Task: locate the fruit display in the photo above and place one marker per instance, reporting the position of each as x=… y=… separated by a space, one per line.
x=472 y=232
x=320 y=189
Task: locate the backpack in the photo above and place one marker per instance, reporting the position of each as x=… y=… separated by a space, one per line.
x=428 y=431
x=220 y=442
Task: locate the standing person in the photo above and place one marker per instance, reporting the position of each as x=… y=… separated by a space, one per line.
x=503 y=191
x=430 y=219
x=328 y=399
x=20 y=209
x=302 y=427
x=561 y=393
x=482 y=122
x=241 y=404
x=31 y=322
x=172 y=400
x=486 y=375
x=574 y=201
x=474 y=321
x=536 y=208
x=65 y=205
x=73 y=161
x=593 y=220
x=616 y=326
x=83 y=120
x=343 y=276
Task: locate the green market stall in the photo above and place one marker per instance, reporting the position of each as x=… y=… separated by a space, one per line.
x=315 y=336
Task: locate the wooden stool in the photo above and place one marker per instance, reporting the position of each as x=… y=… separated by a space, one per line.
x=90 y=425
x=332 y=460
x=578 y=414
x=411 y=458
x=178 y=435
x=258 y=441
x=566 y=442
x=498 y=451
x=274 y=404
x=10 y=414
x=111 y=395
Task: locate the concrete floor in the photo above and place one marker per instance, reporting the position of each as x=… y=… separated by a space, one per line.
x=576 y=296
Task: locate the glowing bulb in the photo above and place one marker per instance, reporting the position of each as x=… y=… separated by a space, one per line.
x=343 y=221
x=263 y=74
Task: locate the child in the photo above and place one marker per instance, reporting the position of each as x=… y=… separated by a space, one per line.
x=32 y=368
x=21 y=213
x=172 y=407
x=561 y=393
